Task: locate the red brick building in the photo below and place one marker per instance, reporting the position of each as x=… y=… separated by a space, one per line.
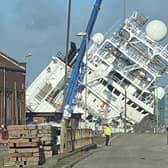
x=12 y=91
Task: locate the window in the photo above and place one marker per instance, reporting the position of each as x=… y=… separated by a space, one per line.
x=43 y=92
x=129 y=102
x=110 y=87
x=139 y=109
x=116 y=92
x=104 y=82
x=134 y=105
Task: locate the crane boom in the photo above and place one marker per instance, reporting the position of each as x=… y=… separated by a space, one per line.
x=77 y=69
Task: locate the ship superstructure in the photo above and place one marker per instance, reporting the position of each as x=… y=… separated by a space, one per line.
x=121 y=71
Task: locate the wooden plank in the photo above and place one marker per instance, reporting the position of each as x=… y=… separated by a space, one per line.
x=20 y=150
x=23 y=144
x=26 y=159
x=20 y=163
x=25 y=154
x=42 y=127
x=23 y=140
x=23 y=133
x=21 y=127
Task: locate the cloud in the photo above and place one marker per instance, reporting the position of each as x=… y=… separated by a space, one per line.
x=39 y=26
x=40 y=15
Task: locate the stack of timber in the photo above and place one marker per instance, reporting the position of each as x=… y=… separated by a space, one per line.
x=48 y=139
x=23 y=146
x=31 y=145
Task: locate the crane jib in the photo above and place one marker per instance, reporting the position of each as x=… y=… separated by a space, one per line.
x=73 y=82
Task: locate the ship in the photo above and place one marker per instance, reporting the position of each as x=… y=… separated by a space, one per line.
x=122 y=68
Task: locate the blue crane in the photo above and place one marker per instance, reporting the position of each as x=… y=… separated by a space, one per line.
x=78 y=69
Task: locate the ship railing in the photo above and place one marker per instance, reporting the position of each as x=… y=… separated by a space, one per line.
x=131 y=67
x=148 y=41
x=129 y=76
x=131 y=54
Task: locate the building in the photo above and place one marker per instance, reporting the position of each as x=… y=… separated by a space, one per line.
x=12 y=91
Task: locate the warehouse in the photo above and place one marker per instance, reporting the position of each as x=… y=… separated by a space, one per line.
x=12 y=91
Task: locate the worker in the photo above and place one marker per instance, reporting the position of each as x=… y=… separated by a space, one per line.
x=107 y=133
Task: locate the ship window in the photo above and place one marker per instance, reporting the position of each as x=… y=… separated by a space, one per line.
x=94 y=100
x=134 y=105
x=43 y=92
x=116 y=92
x=118 y=76
x=129 y=102
x=139 y=109
x=100 y=80
x=144 y=112
x=49 y=69
x=110 y=87
x=104 y=82
x=89 y=72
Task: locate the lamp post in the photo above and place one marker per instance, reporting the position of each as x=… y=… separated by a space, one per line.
x=125 y=110
x=27 y=56
x=156 y=112
x=64 y=122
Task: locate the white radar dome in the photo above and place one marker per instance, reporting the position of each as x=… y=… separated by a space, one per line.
x=98 y=38
x=156 y=30
x=159 y=92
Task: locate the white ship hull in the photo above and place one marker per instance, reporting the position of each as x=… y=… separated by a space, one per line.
x=121 y=72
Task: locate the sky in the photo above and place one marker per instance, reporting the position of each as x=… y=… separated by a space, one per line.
x=39 y=26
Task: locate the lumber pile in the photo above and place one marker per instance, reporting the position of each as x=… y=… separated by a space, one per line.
x=23 y=145
x=31 y=145
x=48 y=140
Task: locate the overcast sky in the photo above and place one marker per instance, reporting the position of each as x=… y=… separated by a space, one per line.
x=39 y=26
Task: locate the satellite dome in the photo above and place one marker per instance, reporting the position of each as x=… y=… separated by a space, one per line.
x=98 y=38
x=156 y=30
x=159 y=92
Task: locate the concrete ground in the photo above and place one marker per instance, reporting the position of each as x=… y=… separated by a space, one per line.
x=130 y=151
x=3 y=154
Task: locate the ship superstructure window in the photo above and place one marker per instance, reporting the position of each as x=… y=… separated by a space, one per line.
x=144 y=112
x=139 y=109
x=104 y=82
x=129 y=102
x=43 y=91
x=134 y=105
x=116 y=92
x=89 y=72
x=115 y=76
x=110 y=87
x=124 y=34
x=52 y=96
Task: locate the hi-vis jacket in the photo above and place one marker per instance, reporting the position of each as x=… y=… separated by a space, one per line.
x=107 y=131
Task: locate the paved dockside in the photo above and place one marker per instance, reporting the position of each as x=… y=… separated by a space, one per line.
x=130 y=151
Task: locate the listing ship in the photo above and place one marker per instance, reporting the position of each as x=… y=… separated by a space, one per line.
x=122 y=68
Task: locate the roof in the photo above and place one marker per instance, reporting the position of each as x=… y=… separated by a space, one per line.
x=9 y=63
